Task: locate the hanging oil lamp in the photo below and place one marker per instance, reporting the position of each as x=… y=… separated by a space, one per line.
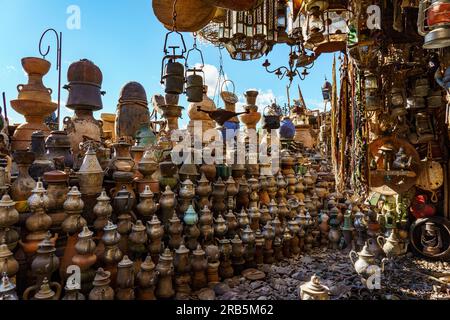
x=237 y=254
x=103 y=211
x=146 y=280
x=7 y=289
x=199 y=266
x=203 y=191
x=165 y=269
x=182 y=273
x=112 y=254
x=206 y=226
x=186 y=195
x=194 y=81
x=232 y=224
x=155 y=233
x=22 y=187
x=269 y=236
x=9 y=216
x=102 y=290
x=175 y=232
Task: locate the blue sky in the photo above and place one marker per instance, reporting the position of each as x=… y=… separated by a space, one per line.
x=125 y=40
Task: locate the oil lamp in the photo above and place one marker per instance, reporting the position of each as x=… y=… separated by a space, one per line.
x=434 y=23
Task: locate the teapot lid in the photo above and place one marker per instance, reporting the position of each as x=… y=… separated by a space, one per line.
x=243 y=214
x=85 y=233
x=148 y=264
x=147 y=193
x=110 y=226
x=199 y=251
x=6 y=201
x=168 y=192
x=138 y=227
x=125 y=263
x=365 y=252
x=45 y=292
x=230 y=180
x=182 y=249
x=174 y=218
x=187 y=182
x=4 y=251
x=166 y=255
x=56 y=176
x=74 y=192
x=314 y=287
x=205 y=210
x=236 y=240
x=103 y=196
x=6 y=285
x=123 y=193
x=393 y=236
x=102 y=277
x=287 y=234
x=203 y=179
x=220 y=219
x=46 y=245
x=154 y=221
x=39 y=187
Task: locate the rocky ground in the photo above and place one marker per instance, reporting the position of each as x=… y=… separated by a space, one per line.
x=411 y=278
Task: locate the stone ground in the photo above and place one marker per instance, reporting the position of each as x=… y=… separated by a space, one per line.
x=412 y=278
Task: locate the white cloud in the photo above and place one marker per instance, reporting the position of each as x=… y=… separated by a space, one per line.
x=314 y=104
x=211 y=78
x=11 y=69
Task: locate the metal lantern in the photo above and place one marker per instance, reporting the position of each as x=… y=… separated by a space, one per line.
x=434 y=23
x=194 y=81
x=172 y=71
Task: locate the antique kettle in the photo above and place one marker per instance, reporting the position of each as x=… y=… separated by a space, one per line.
x=365 y=259
x=314 y=290
x=437 y=29
x=392 y=246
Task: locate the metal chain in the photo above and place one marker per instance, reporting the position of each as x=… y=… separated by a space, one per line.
x=174 y=16
x=221 y=76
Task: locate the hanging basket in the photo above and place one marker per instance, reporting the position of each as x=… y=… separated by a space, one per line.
x=192 y=15
x=236 y=5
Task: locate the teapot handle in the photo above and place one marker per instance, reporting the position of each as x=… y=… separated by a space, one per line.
x=383 y=263
x=58 y=290
x=27 y=291
x=351 y=255
x=381 y=241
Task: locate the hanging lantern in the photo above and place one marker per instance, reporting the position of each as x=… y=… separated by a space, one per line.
x=434 y=23
x=327 y=90
x=194 y=81
x=172 y=72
